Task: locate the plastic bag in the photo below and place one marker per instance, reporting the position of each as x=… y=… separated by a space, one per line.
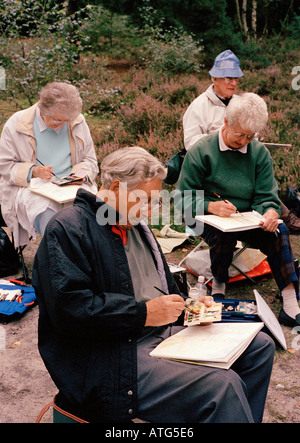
x=198 y=262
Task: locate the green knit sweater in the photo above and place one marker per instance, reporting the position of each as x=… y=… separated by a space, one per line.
x=246 y=180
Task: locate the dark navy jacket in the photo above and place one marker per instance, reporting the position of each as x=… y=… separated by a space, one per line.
x=89 y=319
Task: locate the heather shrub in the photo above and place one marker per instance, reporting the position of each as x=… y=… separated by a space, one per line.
x=107 y=101
x=179 y=90
x=287 y=167
x=138 y=81
x=164 y=146
x=147 y=113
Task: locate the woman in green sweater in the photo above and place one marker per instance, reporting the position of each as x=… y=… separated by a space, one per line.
x=231 y=164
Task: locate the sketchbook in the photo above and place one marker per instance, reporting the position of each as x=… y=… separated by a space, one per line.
x=217 y=345
x=241 y=221
x=59 y=194
x=269 y=319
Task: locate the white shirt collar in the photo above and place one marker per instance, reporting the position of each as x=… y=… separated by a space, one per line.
x=224 y=147
x=41 y=124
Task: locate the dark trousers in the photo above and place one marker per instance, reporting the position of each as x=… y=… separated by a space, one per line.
x=276 y=247
x=177 y=392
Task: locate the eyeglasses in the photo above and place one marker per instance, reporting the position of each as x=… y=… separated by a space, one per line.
x=50 y=120
x=147 y=206
x=230 y=79
x=241 y=135
x=59 y=122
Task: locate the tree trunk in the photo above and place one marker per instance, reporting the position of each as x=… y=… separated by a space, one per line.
x=244 y=19
x=72 y=7
x=238 y=12
x=254 y=19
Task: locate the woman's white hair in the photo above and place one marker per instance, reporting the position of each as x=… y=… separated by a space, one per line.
x=248 y=110
x=62 y=98
x=131 y=165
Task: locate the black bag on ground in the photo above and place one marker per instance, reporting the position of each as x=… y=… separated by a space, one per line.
x=174 y=167
x=9 y=259
x=292 y=200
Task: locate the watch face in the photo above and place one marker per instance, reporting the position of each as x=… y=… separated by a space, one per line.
x=2 y=78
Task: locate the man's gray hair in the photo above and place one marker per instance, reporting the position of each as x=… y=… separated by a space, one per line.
x=62 y=98
x=131 y=165
x=249 y=111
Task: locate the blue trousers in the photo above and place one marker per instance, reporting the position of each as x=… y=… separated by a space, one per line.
x=177 y=392
x=42 y=220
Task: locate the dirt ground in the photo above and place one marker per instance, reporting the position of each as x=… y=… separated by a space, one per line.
x=26 y=387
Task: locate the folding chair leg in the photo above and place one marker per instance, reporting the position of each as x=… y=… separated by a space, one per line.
x=194 y=250
x=244 y=274
x=20 y=253
x=25 y=272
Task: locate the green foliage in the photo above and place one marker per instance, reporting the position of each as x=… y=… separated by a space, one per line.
x=48 y=52
x=171 y=48
x=173 y=51
x=108 y=31
x=23 y=17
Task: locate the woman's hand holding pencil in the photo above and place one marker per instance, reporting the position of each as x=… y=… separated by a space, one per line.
x=42 y=171
x=222 y=208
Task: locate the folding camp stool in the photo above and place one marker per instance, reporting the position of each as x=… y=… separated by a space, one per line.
x=235 y=256
x=59 y=415
x=62 y=416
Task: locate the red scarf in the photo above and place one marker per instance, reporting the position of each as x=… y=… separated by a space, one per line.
x=121 y=232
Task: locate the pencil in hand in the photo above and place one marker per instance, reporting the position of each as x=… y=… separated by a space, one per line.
x=226 y=201
x=45 y=165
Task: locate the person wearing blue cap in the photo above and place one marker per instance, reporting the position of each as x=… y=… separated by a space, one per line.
x=206 y=113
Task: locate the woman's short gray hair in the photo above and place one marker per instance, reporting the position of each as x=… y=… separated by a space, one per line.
x=248 y=110
x=131 y=165
x=62 y=98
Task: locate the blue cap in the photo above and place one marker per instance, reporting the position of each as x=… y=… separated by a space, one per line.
x=226 y=65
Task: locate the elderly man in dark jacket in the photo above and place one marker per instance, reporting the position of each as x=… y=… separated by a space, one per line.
x=95 y=275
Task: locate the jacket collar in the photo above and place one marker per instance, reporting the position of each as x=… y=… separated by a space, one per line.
x=94 y=205
x=213 y=96
x=25 y=124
